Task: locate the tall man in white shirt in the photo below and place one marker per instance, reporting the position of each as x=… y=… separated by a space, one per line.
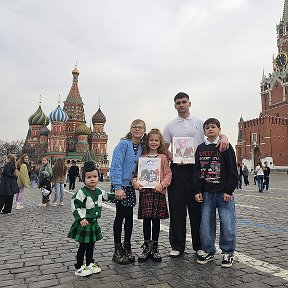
x=180 y=191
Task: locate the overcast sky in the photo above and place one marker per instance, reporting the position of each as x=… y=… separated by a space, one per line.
x=135 y=56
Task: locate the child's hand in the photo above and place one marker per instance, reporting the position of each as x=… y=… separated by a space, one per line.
x=120 y=194
x=199 y=197
x=84 y=222
x=137 y=185
x=159 y=188
x=227 y=197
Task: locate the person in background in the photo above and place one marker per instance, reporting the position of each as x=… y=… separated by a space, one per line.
x=240 y=175
x=73 y=173
x=259 y=170
x=245 y=175
x=8 y=185
x=23 y=179
x=59 y=172
x=45 y=175
x=266 y=176
x=33 y=177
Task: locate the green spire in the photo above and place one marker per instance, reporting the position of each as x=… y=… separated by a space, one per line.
x=285 y=12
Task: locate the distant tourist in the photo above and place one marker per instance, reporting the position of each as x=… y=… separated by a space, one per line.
x=73 y=173
x=245 y=172
x=266 y=176
x=45 y=175
x=8 y=185
x=34 y=177
x=59 y=173
x=86 y=206
x=259 y=171
x=23 y=179
x=240 y=175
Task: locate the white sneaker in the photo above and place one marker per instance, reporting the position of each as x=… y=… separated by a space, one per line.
x=61 y=203
x=18 y=206
x=200 y=253
x=54 y=204
x=94 y=268
x=42 y=205
x=83 y=271
x=174 y=253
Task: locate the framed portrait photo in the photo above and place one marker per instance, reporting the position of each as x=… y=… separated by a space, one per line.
x=149 y=172
x=183 y=150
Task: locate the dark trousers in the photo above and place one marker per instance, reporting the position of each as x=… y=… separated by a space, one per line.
x=181 y=198
x=72 y=183
x=123 y=212
x=6 y=203
x=155 y=228
x=266 y=182
x=246 y=180
x=84 y=248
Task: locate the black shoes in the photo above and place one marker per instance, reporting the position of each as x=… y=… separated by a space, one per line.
x=119 y=255
x=146 y=253
x=128 y=252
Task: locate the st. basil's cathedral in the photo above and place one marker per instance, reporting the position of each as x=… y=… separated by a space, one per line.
x=69 y=137
x=266 y=138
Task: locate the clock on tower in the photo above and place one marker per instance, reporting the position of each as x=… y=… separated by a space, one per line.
x=281 y=61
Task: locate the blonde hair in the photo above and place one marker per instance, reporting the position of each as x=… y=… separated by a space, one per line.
x=11 y=157
x=136 y=121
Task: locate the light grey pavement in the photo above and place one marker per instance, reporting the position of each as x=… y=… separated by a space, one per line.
x=35 y=250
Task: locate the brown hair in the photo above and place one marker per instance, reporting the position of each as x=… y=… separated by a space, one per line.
x=59 y=168
x=21 y=161
x=162 y=148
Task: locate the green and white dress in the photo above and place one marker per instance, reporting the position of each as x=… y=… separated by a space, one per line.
x=87 y=204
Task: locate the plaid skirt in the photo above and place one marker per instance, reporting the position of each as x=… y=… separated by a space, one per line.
x=152 y=204
x=87 y=234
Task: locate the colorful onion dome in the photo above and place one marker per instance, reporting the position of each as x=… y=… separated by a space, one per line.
x=83 y=130
x=44 y=131
x=58 y=115
x=38 y=118
x=98 y=117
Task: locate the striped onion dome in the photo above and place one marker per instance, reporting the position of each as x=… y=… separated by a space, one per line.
x=38 y=118
x=44 y=131
x=58 y=115
x=83 y=130
x=98 y=117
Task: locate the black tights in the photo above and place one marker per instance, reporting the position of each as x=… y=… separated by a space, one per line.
x=84 y=248
x=123 y=212
x=155 y=228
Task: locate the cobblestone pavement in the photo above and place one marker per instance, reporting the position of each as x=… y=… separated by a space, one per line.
x=35 y=250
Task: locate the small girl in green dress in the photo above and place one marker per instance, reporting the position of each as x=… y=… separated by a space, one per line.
x=86 y=206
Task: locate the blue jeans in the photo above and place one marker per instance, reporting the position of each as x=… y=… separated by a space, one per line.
x=59 y=192
x=227 y=215
x=266 y=182
x=260 y=179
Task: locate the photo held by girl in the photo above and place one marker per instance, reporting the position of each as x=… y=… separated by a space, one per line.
x=124 y=162
x=152 y=201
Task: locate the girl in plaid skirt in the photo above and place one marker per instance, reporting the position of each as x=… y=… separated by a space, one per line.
x=152 y=201
x=86 y=206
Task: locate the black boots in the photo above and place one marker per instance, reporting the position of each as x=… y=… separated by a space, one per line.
x=155 y=252
x=128 y=252
x=119 y=255
x=146 y=253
